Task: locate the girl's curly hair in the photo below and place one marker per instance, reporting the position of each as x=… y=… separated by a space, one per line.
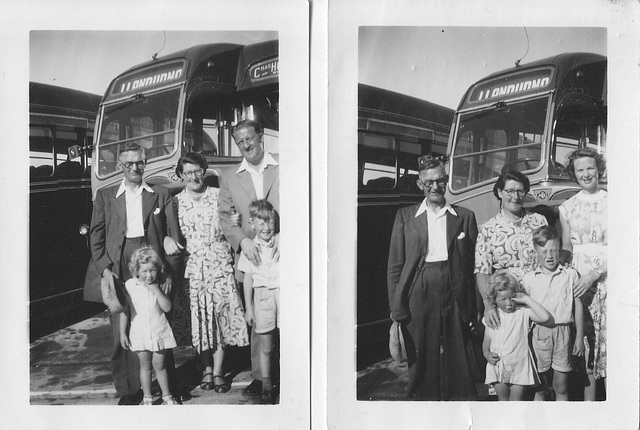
x=502 y=280
x=145 y=255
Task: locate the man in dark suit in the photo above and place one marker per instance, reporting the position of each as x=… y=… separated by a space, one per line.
x=432 y=290
x=125 y=217
x=256 y=177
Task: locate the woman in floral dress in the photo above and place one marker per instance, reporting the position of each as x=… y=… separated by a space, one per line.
x=584 y=233
x=217 y=317
x=504 y=242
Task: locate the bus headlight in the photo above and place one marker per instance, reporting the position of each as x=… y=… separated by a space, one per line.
x=83 y=230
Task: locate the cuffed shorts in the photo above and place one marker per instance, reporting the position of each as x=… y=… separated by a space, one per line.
x=266 y=307
x=552 y=347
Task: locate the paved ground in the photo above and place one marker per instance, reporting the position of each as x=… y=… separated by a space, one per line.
x=387 y=380
x=71 y=367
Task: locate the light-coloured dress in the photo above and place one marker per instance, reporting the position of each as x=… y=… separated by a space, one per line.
x=217 y=316
x=586 y=215
x=510 y=342
x=150 y=330
x=504 y=244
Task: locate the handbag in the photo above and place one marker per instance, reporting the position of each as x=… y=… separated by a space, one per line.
x=397 y=346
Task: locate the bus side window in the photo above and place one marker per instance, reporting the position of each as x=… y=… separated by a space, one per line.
x=377 y=156
x=40 y=151
x=577 y=128
x=208 y=127
x=66 y=168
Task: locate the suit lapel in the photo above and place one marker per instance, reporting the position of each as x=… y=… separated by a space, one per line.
x=119 y=206
x=148 y=205
x=420 y=229
x=454 y=225
x=245 y=182
x=268 y=178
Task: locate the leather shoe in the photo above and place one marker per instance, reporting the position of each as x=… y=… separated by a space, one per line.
x=131 y=399
x=254 y=389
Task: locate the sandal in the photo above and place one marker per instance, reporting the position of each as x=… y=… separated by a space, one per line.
x=207 y=385
x=221 y=388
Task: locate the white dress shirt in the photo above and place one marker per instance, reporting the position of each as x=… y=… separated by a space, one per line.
x=257 y=175
x=437 y=231
x=134 y=225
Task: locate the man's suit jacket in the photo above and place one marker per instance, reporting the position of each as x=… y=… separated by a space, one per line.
x=407 y=252
x=107 y=234
x=237 y=190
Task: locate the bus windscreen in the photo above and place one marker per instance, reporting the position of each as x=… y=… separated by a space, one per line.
x=507 y=136
x=148 y=120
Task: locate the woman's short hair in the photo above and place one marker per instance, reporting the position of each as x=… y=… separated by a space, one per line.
x=601 y=164
x=191 y=158
x=144 y=255
x=510 y=175
x=502 y=280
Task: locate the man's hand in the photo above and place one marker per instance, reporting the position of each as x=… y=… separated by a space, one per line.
x=491 y=316
x=250 y=251
x=578 y=347
x=171 y=247
x=235 y=218
x=166 y=285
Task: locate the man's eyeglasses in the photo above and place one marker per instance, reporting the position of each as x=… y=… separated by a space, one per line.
x=139 y=164
x=193 y=173
x=429 y=183
x=512 y=192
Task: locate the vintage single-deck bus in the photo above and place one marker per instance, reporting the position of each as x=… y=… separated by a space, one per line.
x=59 y=203
x=393 y=131
x=527 y=118
x=187 y=101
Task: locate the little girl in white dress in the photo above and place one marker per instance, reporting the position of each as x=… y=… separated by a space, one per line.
x=510 y=364
x=150 y=335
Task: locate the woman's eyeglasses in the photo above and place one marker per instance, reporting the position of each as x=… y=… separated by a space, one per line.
x=193 y=173
x=513 y=192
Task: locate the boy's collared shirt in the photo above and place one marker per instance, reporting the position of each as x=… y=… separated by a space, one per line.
x=554 y=291
x=134 y=224
x=257 y=176
x=268 y=273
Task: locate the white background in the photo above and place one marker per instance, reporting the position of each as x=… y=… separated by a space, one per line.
x=621 y=20
x=290 y=19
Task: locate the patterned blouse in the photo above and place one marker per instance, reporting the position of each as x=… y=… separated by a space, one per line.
x=504 y=244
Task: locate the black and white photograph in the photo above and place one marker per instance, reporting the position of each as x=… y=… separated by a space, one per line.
x=450 y=188
x=201 y=96
x=152 y=269
x=550 y=95
x=466 y=199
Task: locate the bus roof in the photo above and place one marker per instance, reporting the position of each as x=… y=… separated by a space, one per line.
x=223 y=63
x=184 y=61
x=44 y=96
x=258 y=65
x=562 y=64
x=390 y=102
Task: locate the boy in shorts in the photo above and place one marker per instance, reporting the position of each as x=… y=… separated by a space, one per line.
x=551 y=285
x=262 y=288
